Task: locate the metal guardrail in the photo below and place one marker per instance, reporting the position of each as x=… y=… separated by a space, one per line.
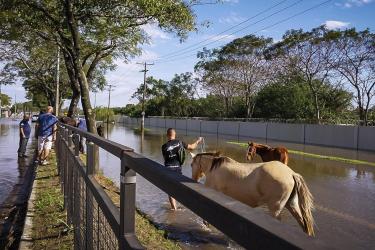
x=99 y=224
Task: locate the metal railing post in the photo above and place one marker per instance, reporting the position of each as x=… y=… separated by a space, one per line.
x=91 y=163
x=127 y=207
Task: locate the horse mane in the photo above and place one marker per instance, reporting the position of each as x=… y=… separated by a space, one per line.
x=262 y=146
x=217 y=160
x=215 y=154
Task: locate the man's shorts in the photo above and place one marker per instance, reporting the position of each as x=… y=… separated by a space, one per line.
x=44 y=142
x=177 y=169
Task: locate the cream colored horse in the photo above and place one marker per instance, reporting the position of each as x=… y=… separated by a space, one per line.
x=271 y=183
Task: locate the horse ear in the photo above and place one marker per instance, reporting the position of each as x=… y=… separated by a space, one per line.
x=250 y=143
x=192 y=155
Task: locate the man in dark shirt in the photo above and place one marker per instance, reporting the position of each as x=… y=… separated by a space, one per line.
x=171 y=156
x=25 y=131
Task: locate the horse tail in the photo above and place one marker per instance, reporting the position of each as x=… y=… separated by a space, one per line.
x=305 y=202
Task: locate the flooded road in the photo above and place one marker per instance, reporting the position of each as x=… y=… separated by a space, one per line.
x=9 y=170
x=344 y=193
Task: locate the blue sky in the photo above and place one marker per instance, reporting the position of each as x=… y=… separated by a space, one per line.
x=222 y=16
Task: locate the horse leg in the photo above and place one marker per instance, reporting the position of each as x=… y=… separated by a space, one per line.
x=293 y=207
x=275 y=206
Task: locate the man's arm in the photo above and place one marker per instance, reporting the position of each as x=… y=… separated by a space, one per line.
x=195 y=144
x=22 y=132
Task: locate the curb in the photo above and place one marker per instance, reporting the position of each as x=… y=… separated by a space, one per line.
x=26 y=241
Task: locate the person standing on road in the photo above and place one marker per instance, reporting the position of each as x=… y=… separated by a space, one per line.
x=25 y=131
x=45 y=131
x=173 y=159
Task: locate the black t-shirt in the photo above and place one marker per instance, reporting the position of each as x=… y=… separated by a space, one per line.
x=170 y=152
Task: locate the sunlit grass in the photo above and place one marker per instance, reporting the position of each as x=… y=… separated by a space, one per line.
x=326 y=157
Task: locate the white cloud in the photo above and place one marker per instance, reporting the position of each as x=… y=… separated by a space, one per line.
x=333 y=25
x=231 y=1
x=232 y=18
x=126 y=78
x=353 y=3
x=155 y=32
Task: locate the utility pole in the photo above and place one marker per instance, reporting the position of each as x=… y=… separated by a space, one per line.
x=144 y=93
x=57 y=97
x=1 y=111
x=109 y=101
x=15 y=105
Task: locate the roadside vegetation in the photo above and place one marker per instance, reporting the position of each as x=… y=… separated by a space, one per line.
x=316 y=76
x=327 y=157
x=50 y=230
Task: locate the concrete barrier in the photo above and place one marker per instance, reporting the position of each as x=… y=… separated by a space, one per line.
x=352 y=137
x=366 y=138
x=253 y=129
x=194 y=125
x=160 y=123
x=285 y=132
x=228 y=128
x=181 y=124
x=153 y=122
x=331 y=135
x=210 y=127
x=170 y=123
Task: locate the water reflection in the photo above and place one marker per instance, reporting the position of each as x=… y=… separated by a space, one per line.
x=344 y=193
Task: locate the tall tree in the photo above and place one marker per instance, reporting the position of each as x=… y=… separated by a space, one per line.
x=307 y=54
x=89 y=32
x=251 y=69
x=355 y=61
x=216 y=77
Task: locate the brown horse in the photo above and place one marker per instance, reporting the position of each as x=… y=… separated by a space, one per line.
x=267 y=183
x=267 y=153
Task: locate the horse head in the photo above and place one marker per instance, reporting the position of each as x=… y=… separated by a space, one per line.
x=199 y=165
x=251 y=151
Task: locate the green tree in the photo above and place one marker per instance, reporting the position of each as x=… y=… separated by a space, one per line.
x=5 y=99
x=89 y=32
x=309 y=55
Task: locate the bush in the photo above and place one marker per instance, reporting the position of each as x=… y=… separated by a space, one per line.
x=101 y=114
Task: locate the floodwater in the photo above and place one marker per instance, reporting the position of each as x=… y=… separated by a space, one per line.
x=9 y=171
x=9 y=162
x=344 y=193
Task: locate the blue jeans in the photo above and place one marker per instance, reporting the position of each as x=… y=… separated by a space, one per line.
x=22 y=147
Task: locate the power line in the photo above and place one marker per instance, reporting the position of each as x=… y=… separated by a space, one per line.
x=266 y=27
x=230 y=28
x=228 y=35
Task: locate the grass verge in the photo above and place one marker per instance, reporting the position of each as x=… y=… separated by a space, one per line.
x=50 y=230
x=138 y=130
x=327 y=157
x=148 y=234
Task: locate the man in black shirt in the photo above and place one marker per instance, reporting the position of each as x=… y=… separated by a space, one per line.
x=170 y=151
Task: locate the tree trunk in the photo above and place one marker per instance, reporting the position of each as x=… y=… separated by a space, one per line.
x=77 y=66
x=74 y=103
x=317 y=108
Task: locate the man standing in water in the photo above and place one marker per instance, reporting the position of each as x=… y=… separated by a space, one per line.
x=25 y=131
x=171 y=151
x=45 y=131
